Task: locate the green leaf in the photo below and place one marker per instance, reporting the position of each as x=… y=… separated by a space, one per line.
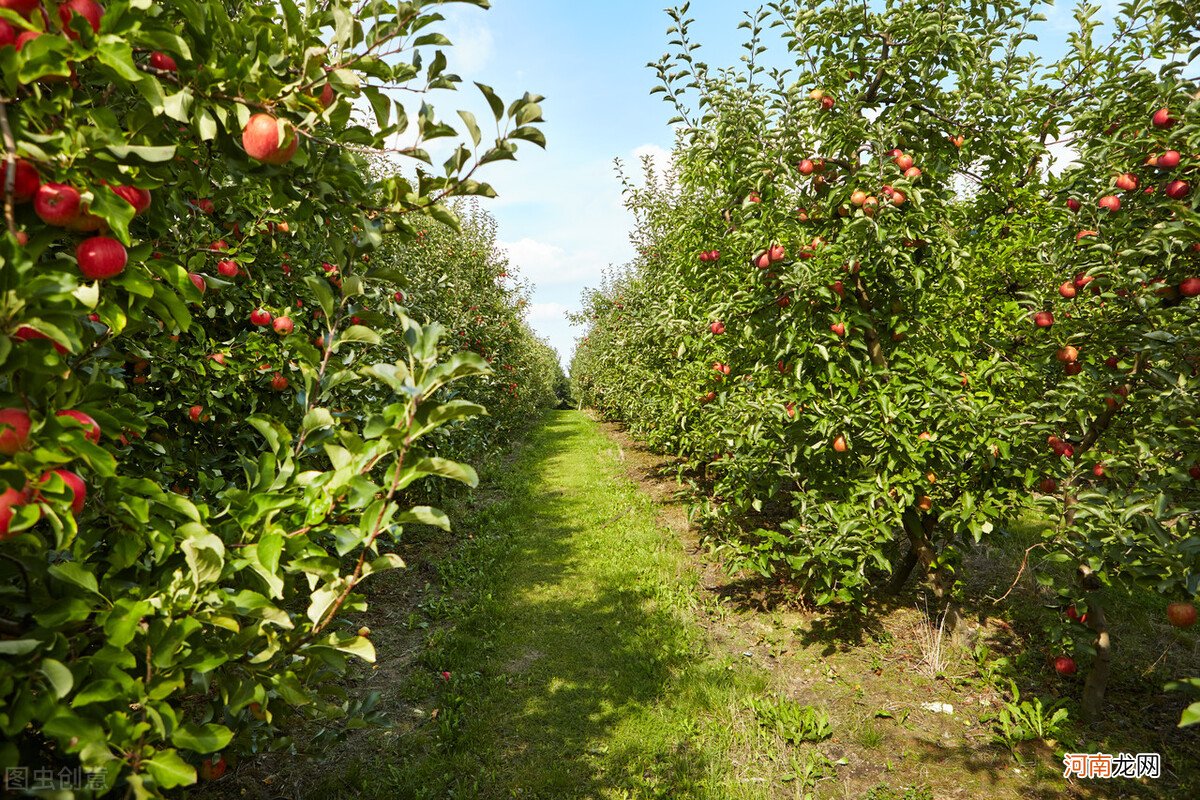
x=207 y=738
x=169 y=770
x=60 y=678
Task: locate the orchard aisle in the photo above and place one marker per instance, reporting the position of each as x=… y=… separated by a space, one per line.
x=577 y=663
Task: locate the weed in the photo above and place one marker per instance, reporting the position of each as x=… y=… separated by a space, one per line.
x=1025 y=721
x=791 y=721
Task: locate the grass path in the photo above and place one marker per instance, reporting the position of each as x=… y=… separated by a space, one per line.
x=578 y=666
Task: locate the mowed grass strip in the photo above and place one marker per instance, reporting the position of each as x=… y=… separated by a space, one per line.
x=578 y=667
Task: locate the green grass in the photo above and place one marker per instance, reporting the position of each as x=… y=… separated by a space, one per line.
x=578 y=666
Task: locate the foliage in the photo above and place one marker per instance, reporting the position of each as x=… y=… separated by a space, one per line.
x=241 y=481
x=1025 y=721
x=791 y=721
x=838 y=314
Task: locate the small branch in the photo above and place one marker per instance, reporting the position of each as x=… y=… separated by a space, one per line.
x=1024 y=563
x=10 y=172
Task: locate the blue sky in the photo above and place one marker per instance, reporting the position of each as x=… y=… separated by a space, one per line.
x=559 y=211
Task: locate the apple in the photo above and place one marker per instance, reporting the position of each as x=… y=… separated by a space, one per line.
x=1073 y=368
x=75 y=484
x=816 y=94
x=827 y=102
x=805 y=167
x=763 y=260
x=708 y=398
x=1043 y=319
x=1194 y=471
x=1189 y=287
x=912 y=173
x=278 y=382
x=924 y=436
x=283 y=325
x=327 y=95
x=399 y=297
x=260 y=317
x=101 y=257
x=205 y=205
x=1073 y=204
x=1048 y=486
x=1098 y=470
x=1064 y=665
x=1127 y=181
x=1082 y=279
x=1067 y=354
x=838 y=288
x=1181 y=615
x=22 y=7
x=264 y=141
x=198 y=281
x=839 y=444
x=717 y=327
x=925 y=503
x=26 y=182
x=899 y=198
x=1084 y=234
x=777 y=253
x=1067 y=289
x=25 y=333
x=8 y=34
x=10 y=500
x=227 y=268
x=790 y=408
x=14 y=430
x=88 y=9
x=858 y=197
x=162 y=61
x=195 y=413
x=212 y=768
x=1074 y=615
x=1177 y=190
x=91 y=428
x=838 y=329
x=1163 y=119
x=1168 y=160
x=56 y=203
x=783 y=301
x=138 y=198
x=1110 y=202
x=904 y=162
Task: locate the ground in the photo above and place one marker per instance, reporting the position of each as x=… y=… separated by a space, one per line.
x=575 y=639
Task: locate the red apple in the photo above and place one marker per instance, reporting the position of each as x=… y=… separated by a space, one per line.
x=88 y=9
x=777 y=253
x=22 y=7
x=14 y=430
x=1064 y=665
x=101 y=257
x=1067 y=289
x=162 y=61
x=1194 y=471
x=26 y=183
x=805 y=167
x=8 y=34
x=91 y=428
x=1098 y=470
x=218 y=245
x=25 y=333
x=264 y=142
x=283 y=325
x=278 y=382
x=858 y=197
x=1084 y=234
x=1181 y=615
x=838 y=288
x=1074 y=368
x=1048 y=486
x=1177 y=190
x=763 y=260
x=1067 y=354
x=399 y=297
x=717 y=327
x=1127 y=181
x=227 y=268
x=912 y=173
x=1163 y=119
x=1189 y=287
x=1168 y=160
x=839 y=444
x=75 y=484
x=56 y=203
x=327 y=95
x=1073 y=204
x=1043 y=319
x=827 y=102
x=904 y=161
x=1074 y=615
x=138 y=198
x=838 y=329
x=1110 y=202
x=195 y=413
x=10 y=500
x=212 y=768
x=260 y=317
x=198 y=282
x=205 y=205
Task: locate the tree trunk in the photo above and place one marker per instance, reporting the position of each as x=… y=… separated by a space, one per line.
x=1092 y=703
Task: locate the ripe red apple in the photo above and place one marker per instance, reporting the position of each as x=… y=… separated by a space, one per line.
x=10 y=500
x=212 y=768
x=1177 y=190
x=1048 y=486
x=195 y=413
x=91 y=428
x=904 y=161
x=839 y=444
x=1127 y=181
x=101 y=257
x=75 y=484
x=88 y=9
x=1073 y=204
x=198 y=281
x=1043 y=319
x=1074 y=615
x=26 y=333
x=227 y=268
x=1067 y=289
x=283 y=325
x=327 y=95
x=205 y=205
x=827 y=102
x=26 y=183
x=838 y=329
x=838 y=288
x=763 y=260
x=264 y=142
x=56 y=203
x=858 y=197
x=805 y=167
x=1194 y=471
x=1110 y=202
x=783 y=301
x=399 y=297
x=1168 y=160
x=162 y=61
x=777 y=253
x=1163 y=119
x=22 y=7
x=717 y=327
x=1064 y=665
x=1189 y=287
x=1067 y=354
x=912 y=173
x=260 y=317
x=138 y=198
x=1074 y=368
x=8 y=34
x=278 y=382
x=1181 y=615
x=1084 y=234
x=14 y=430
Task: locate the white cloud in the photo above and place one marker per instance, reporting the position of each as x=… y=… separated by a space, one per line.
x=473 y=45
x=545 y=264
x=547 y=312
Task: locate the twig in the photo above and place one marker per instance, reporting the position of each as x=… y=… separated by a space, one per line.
x=10 y=172
x=1024 y=562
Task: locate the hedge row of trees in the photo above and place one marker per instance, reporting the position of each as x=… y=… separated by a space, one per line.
x=221 y=368
x=873 y=310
